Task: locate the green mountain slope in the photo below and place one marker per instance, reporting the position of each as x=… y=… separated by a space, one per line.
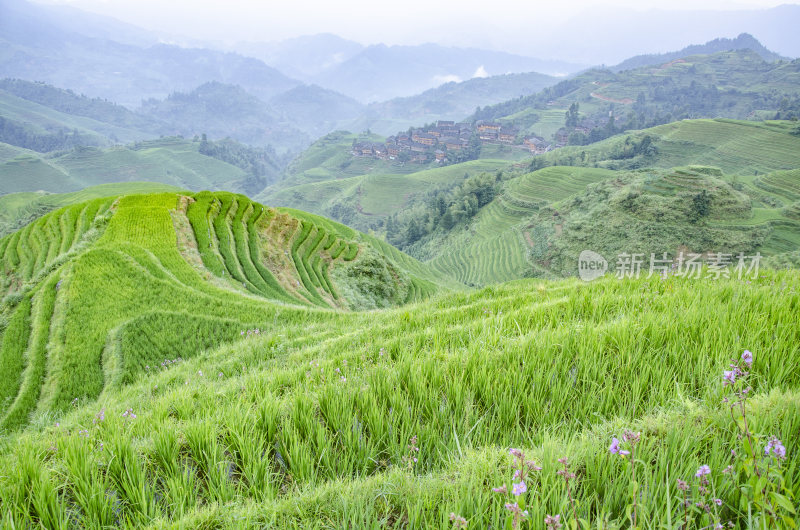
x=36 y=126
x=744 y=41
x=20 y=209
x=107 y=287
x=314 y=422
x=172 y=161
x=509 y=237
x=737 y=147
x=732 y=84
x=450 y=101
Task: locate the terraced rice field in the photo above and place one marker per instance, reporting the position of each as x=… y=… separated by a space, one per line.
x=738 y=148
x=495 y=246
x=316 y=422
x=101 y=292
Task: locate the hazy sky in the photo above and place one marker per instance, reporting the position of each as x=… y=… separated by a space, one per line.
x=484 y=23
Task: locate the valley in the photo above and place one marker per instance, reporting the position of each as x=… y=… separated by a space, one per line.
x=251 y=280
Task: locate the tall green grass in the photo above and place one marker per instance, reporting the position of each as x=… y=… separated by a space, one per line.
x=308 y=424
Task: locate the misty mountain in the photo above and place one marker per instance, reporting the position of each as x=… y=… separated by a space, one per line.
x=744 y=41
x=303 y=57
x=315 y=110
x=33 y=48
x=736 y=84
x=32 y=24
x=450 y=101
x=609 y=36
x=220 y=110
x=382 y=72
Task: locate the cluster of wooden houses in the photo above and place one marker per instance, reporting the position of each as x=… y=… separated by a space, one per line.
x=445 y=138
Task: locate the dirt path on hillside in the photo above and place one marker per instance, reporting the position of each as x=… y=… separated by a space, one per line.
x=623 y=101
x=528 y=237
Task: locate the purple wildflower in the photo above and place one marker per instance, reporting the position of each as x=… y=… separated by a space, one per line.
x=532 y=465
x=702 y=471
x=683 y=485
x=553 y=521
x=458 y=521
x=747 y=357
x=718 y=502
x=615 y=450
x=776 y=448
x=729 y=377
x=502 y=489
x=519 y=488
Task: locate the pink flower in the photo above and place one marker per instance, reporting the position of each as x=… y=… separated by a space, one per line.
x=501 y=489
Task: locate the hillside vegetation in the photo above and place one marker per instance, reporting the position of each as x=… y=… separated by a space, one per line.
x=731 y=84
x=19 y=209
x=524 y=227
x=98 y=291
x=174 y=161
x=401 y=417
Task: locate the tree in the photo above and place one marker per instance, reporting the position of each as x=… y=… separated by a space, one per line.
x=701 y=204
x=572 y=115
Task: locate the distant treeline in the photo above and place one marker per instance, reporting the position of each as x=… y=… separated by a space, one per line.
x=261 y=164
x=442 y=208
x=17 y=134
x=69 y=102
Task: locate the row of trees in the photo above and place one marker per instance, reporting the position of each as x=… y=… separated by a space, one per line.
x=15 y=133
x=442 y=208
x=259 y=163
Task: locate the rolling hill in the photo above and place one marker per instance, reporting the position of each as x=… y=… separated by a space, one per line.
x=220 y=111
x=173 y=161
x=193 y=269
x=512 y=236
x=732 y=84
x=394 y=418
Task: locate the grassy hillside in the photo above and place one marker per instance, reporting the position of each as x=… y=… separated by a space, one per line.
x=20 y=209
x=508 y=238
x=106 y=288
x=40 y=121
x=737 y=147
x=172 y=161
x=399 y=418
x=730 y=84
x=365 y=201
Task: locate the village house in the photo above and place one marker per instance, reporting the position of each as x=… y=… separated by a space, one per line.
x=452 y=144
x=488 y=135
x=536 y=145
x=440 y=155
x=489 y=126
x=424 y=138
x=508 y=135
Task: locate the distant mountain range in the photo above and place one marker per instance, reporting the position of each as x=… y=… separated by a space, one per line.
x=745 y=41
x=162 y=89
x=379 y=72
